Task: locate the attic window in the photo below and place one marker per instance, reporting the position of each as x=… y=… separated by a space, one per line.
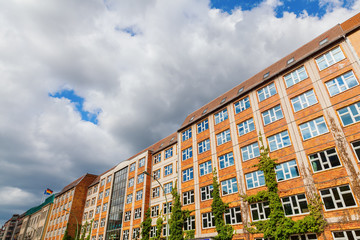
x=192 y=118
x=291 y=60
x=223 y=100
x=205 y=110
x=171 y=139
x=240 y=90
x=266 y=75
x=322 y=42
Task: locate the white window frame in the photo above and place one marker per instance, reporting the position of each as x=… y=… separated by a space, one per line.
x=329 y=58
x=204 y=146
x=206 y=191
x=129 y=198
x=203 y=126
x=132 y=167
x=221 y=116
x=352 y=112
x=356 y=148
x=187 y=174
x=141 y=162
x=304 y=100
x=323 y=158
x=295 y=76
x=189 y=223
x=155 y=211
x=306 y=236
x=345 y=234
x=335 y=201
x=205 y=168
x=168 y=153
x=209 y=218
x=226 y=160
x=229 y=186
x=272 y=115
x=125 y=234
x=261 y=208
x=127 y=216
x=168 y=187
x=255 y=178
x=165 y=207
x=266 y=92
x=232 y=214
x=186 y=134
x=157 y=158
x=341 y=83
x=313 y=128
x=279 y=141
x=242 y=105
x=168 y=170
x=140 y=178
x=152 y=231
x=288 y=169
x=186 y=153
x=251 y=150
x=139 y=195
x=131 y=183
x=223 y=137
x=137 y=213
x=246 y=127
x=157 y=174
x=295 y=202
x=156 y=192
x=188 y=197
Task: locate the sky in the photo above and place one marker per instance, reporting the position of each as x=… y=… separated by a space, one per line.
x=86 y=85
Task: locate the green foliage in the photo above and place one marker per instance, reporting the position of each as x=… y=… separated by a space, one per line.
x=66 y=234
x=278 y=226
x=189 y=234
x=218 y=208
x=146 y=226
x=89 y=235
x=159 y=227
x=83 y=230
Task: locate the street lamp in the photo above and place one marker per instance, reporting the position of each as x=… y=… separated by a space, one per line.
x=77 y=223
x=167 y=205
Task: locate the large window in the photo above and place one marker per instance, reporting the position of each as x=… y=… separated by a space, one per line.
x=330 y=58
x=223 y=137
x=141 y=162
x=168 y=153
x=260 y=211
x=229 y=186
x=341 y=83
x=208 y=220
x=279 y=141
x=246 y=127
x=337 y=197
x=347 y=235
x=187 y=153
x=156 y=174
x=295 y=76
x=137 y=213
x=313 y=128
x=233 y=215
x=204 y=146
x=304 y=100
x=266 y=92
x=157 y=158
x=350 y=114
x=155 y=211
x=242 y=105
x=255 y=179
x=356 y=147
x=226 y=160
x=132 y=167
x=140 y=178
x=188 y=197
x=136 y=233
x=205 y=168
x=189 y=223
x=131 y=183
x=206 y=192
x=156 y=192
x=287 y=170
x=125 y=235
x=129 y=198
x=250 y=151
x=324 y=160
x=188 y=174
x=168 y=187
x=165 y=208
x=295 y=205
x=168 y=170
x=272 y=115
x=204 y=125
x=186 y=134
x=127 y=216
x=152 y=231
x=221 y=116
x=139 y=195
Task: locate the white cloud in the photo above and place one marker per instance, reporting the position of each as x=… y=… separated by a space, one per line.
x=15 y=196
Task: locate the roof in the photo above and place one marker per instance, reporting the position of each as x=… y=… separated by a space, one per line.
x=97 y=179
x=73 y=184
x=290 y=61
x=39 y=207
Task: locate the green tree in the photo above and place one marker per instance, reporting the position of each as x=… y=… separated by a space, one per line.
x=218 y=208
x=146 y=226
x=159 y=227
x=278 y=226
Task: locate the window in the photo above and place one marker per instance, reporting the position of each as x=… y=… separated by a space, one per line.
x=156 y=192
x=226 y=160
x=96 y=224
x=233 y=215
x=165 y=209
x=255 y=179
x=98 y=208
x=186 y=134
x=87 y=203
x=229 y=186
x=242 y=105
x=152 y=231
x=295 y=76
x=313 y=128
x=341 y=83
x=308 y=236
x=279 y=141
x=126 y=235
x=188 y=197
x=246 y=127
x=188 y=174
x=168 y=169
x=137 y=213
x=102 y=182
x=155 y=211
x=204 y=146
x=101 y=195
x=206 y=192
x=101 y=237
x=91 y=213
x=156 y=174
x=260 y=211
x=304 y=100
x=105 y=207
x=356 y=147
x=250 y=151
x=337 y=197
x=102 y=222
x=168 y=187
x=131 y=182
x=347 y=235
x=205 y=168
x=85 y=216
x=221 y=116
x=139 y=195
x=333 y=56
x=208 y=220
x=107 y=192
x=129 y=198
x=165 y=230
x=287 y=170
x=136 y=233
x=141 y=162
x=108 y=179
x=204 y=125
x=157 y=158
x=295 y=205
x=266 y=92
x=350 y=114
x=132 y=167
x=140 y=178
x=223 y=137
x=168 y=153
x=272 y=115
x=189 y=223
x=127 y=216
x=324 y=160
x=187 y=153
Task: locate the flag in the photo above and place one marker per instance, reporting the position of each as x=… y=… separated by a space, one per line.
x=48 y=191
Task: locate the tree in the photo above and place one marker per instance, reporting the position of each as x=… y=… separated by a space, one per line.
x=218 y=208
x=146 y=226
x=159 y=227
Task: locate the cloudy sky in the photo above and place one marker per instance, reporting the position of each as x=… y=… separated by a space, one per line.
x=86 y=84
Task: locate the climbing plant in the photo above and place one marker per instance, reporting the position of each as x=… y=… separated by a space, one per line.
x=278 y=226
x=83 y=230
x=146 y=225
x=91 y=223
x=159 y=228
x=218 y=208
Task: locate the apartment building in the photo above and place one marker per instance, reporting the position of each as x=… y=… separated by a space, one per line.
x=8 y=229
x=306 y=108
